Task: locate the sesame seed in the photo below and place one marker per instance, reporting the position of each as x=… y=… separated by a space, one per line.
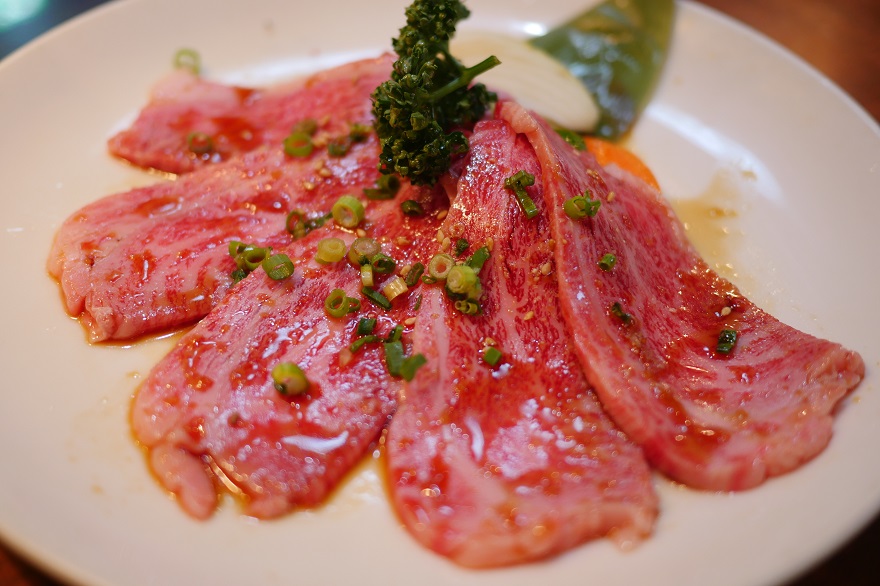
x=441 y=214
x=529 y=315
x=726 y=311
x=410 y=321
x=546 y=268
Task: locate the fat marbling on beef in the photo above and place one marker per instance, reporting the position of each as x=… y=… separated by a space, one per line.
x=647 y=333
x=209 y=414
x=500 y=465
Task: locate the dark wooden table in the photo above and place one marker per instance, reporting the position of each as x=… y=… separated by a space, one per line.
x=841 y=38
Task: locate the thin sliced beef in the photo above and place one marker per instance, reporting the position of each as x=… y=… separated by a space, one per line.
x=501 y=465
x=647 y=333
x=157 y=257
x=209 y=413
x=239 y=119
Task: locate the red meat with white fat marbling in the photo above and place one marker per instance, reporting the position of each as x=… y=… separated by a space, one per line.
x=157 y=257
x=241 y=119
x=497 y=466
x=646 y=332
x=209 y=415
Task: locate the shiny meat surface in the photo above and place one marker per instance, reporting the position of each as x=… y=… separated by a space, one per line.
x=209 y=414
x=647 y=334
x=506 y=464
x=239 y=119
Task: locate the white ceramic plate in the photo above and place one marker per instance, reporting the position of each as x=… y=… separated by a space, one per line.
x=745 y=138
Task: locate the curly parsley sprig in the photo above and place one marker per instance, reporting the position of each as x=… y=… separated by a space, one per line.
x=420 y=111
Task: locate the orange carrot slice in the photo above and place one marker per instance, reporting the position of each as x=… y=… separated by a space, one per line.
x=608 y=152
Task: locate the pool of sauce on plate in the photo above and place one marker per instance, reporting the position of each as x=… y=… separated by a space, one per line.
x=710 y=220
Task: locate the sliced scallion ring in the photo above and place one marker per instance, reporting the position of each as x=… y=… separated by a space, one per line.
x=362 y=250
x=462 y=280
x=394 y=288
x=289 y=379
x=188 y=59
x=337 y=303
x=412 y=208
x=330 y=250
x=298 y=144
x=348 y=211
x=367 y=275
x=199 y=143
x=251 y=257
x=278 y=266
x=439 y=266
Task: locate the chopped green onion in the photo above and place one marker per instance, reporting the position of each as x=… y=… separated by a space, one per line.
x=412 y=277
x=394 y=288
x=607 y=262
x=439 y=266
x=330 y=250
x=572 y=138
x=188 y=59
x=478 y=258
x=418 y=303
x=362 y=250
x=289 y=379
x=396 y=333
x=462 y=280
x=376 y=297
x=360 y=342
x=306 y=126
x=460 y=246
x=298 y=144
x=348 y=212
x=367 y=275
x=236 y=248
x=199 y=143
x=278 y=266
x=491 y=355
x=298 y=225
x=238 y=274
x=726 y=341
x=365 y=326
x=518 y=183
x=387 y=187
x=359 y=132
x=412 y=208
x=394 y=357
x=581 y=206
x=411 y=365
x=468 y=306
x=337 y=303
x=383 y=264
x=251 y=257
x=339 y=146
x=617 y=311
